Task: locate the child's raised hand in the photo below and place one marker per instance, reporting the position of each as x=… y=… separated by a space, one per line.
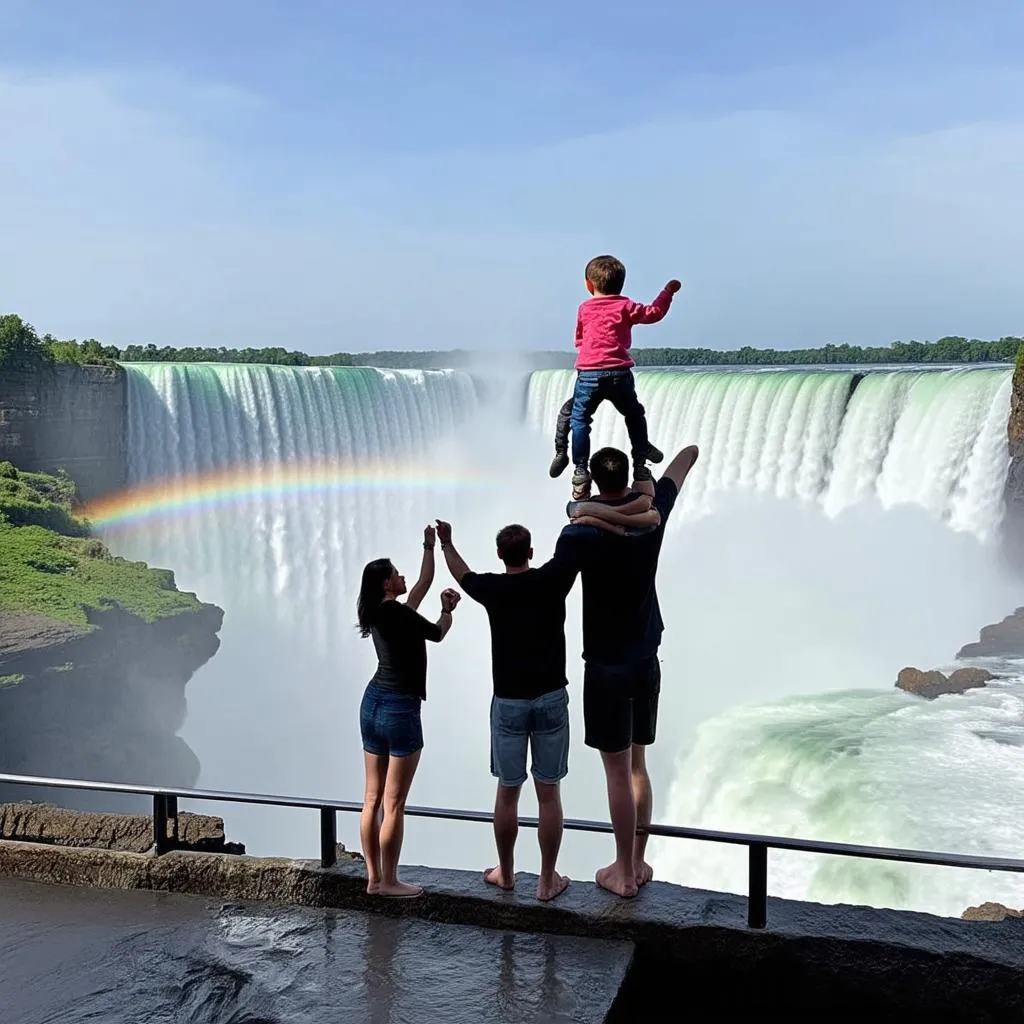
x=673 y=286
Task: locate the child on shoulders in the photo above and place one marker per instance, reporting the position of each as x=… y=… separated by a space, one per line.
x=604 y=325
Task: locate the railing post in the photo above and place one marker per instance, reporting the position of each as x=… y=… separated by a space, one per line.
x=172 y=813
x=328 y=836
x=160 y=840
x=757 y=886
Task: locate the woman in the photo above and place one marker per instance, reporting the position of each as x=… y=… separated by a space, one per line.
x=389 y=717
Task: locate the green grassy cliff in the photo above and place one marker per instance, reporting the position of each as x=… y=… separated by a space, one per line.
x=51 y=566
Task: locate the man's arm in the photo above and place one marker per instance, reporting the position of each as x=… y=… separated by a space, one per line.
x=641 y=314
x=455 y=562
x=680 y=466
x=422 y=585
x=566 y=561
x=596 y=510
x=637 y=503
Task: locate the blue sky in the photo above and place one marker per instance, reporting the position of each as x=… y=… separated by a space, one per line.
x=347 y=176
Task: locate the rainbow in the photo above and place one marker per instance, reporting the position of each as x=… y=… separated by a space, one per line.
x=183 y=495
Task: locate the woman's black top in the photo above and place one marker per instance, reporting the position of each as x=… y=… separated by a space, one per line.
x=399 y=636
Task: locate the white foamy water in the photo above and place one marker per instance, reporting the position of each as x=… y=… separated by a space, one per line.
x=822 y=543
x=934 y=438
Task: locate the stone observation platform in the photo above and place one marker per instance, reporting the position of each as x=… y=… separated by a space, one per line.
x=658 y=957
x=123 y=957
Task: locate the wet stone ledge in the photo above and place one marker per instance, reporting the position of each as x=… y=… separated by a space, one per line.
x=691 y=945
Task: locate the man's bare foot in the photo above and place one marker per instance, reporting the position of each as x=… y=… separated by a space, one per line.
x=549 y=890
x=614 y=880
x=494 y=876
x=373 y=888
x=398 y=890
x=644 y=873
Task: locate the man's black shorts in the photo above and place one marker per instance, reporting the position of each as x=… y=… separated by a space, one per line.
x=620 y=704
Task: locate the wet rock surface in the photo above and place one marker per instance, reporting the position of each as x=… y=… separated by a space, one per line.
x=691 y=944
x=125 y=957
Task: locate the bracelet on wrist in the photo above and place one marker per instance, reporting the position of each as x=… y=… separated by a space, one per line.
x=428 y=547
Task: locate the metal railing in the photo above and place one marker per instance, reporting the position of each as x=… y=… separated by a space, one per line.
x=165 y=811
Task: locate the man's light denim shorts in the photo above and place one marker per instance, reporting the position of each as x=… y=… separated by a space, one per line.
x=543 y=723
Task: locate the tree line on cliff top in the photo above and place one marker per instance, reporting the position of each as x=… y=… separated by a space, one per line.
x=20 y=344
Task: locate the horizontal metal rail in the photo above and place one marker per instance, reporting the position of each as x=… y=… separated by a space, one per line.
x=165 y=811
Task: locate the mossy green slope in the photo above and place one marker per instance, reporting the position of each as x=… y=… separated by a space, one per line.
x=49 y=565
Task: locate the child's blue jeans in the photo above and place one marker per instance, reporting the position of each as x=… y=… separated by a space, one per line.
x=618 y=387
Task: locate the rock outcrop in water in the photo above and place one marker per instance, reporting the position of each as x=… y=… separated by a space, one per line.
x=1001 y=640
x=934 y=684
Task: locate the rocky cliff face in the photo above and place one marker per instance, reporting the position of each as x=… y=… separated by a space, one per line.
x=1013 y=524
x=1000 y=640
x=70 y=417
x=101 y=702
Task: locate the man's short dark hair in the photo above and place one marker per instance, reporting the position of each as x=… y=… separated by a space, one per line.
x=609 y=469
x=514 y=543
x=606 y=274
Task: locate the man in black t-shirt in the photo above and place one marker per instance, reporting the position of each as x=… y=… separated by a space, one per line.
x=622 y=630
x=526 y=609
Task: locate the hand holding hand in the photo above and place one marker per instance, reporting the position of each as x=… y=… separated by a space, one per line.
x=449 y=599
x=444 y=532
x=428 y=538
x=673 y=286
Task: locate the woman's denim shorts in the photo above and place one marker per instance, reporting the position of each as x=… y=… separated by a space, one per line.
x=390 y=722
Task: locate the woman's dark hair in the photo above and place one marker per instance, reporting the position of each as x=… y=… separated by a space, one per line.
x=371 y=591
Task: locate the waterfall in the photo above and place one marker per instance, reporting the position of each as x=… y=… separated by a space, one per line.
x=186 y=421
x=935 y=438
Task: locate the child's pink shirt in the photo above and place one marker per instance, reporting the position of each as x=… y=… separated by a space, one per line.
x=604 y=329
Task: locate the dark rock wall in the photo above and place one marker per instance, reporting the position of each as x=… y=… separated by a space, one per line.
x=104 y=704
x=66 y=417
x=1013 y=523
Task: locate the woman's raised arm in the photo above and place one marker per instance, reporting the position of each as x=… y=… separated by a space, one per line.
x=422 y=585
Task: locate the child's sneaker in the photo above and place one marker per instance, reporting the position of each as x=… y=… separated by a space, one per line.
x=641 y=474
x=654 y=455
x=580 y=485
x=558 y=464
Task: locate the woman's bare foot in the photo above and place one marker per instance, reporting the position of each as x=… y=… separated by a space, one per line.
x=616 y=881
x=373 y=888
x=398 y=889
x=644 y=873
x=494 y=876
x=549 y=890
